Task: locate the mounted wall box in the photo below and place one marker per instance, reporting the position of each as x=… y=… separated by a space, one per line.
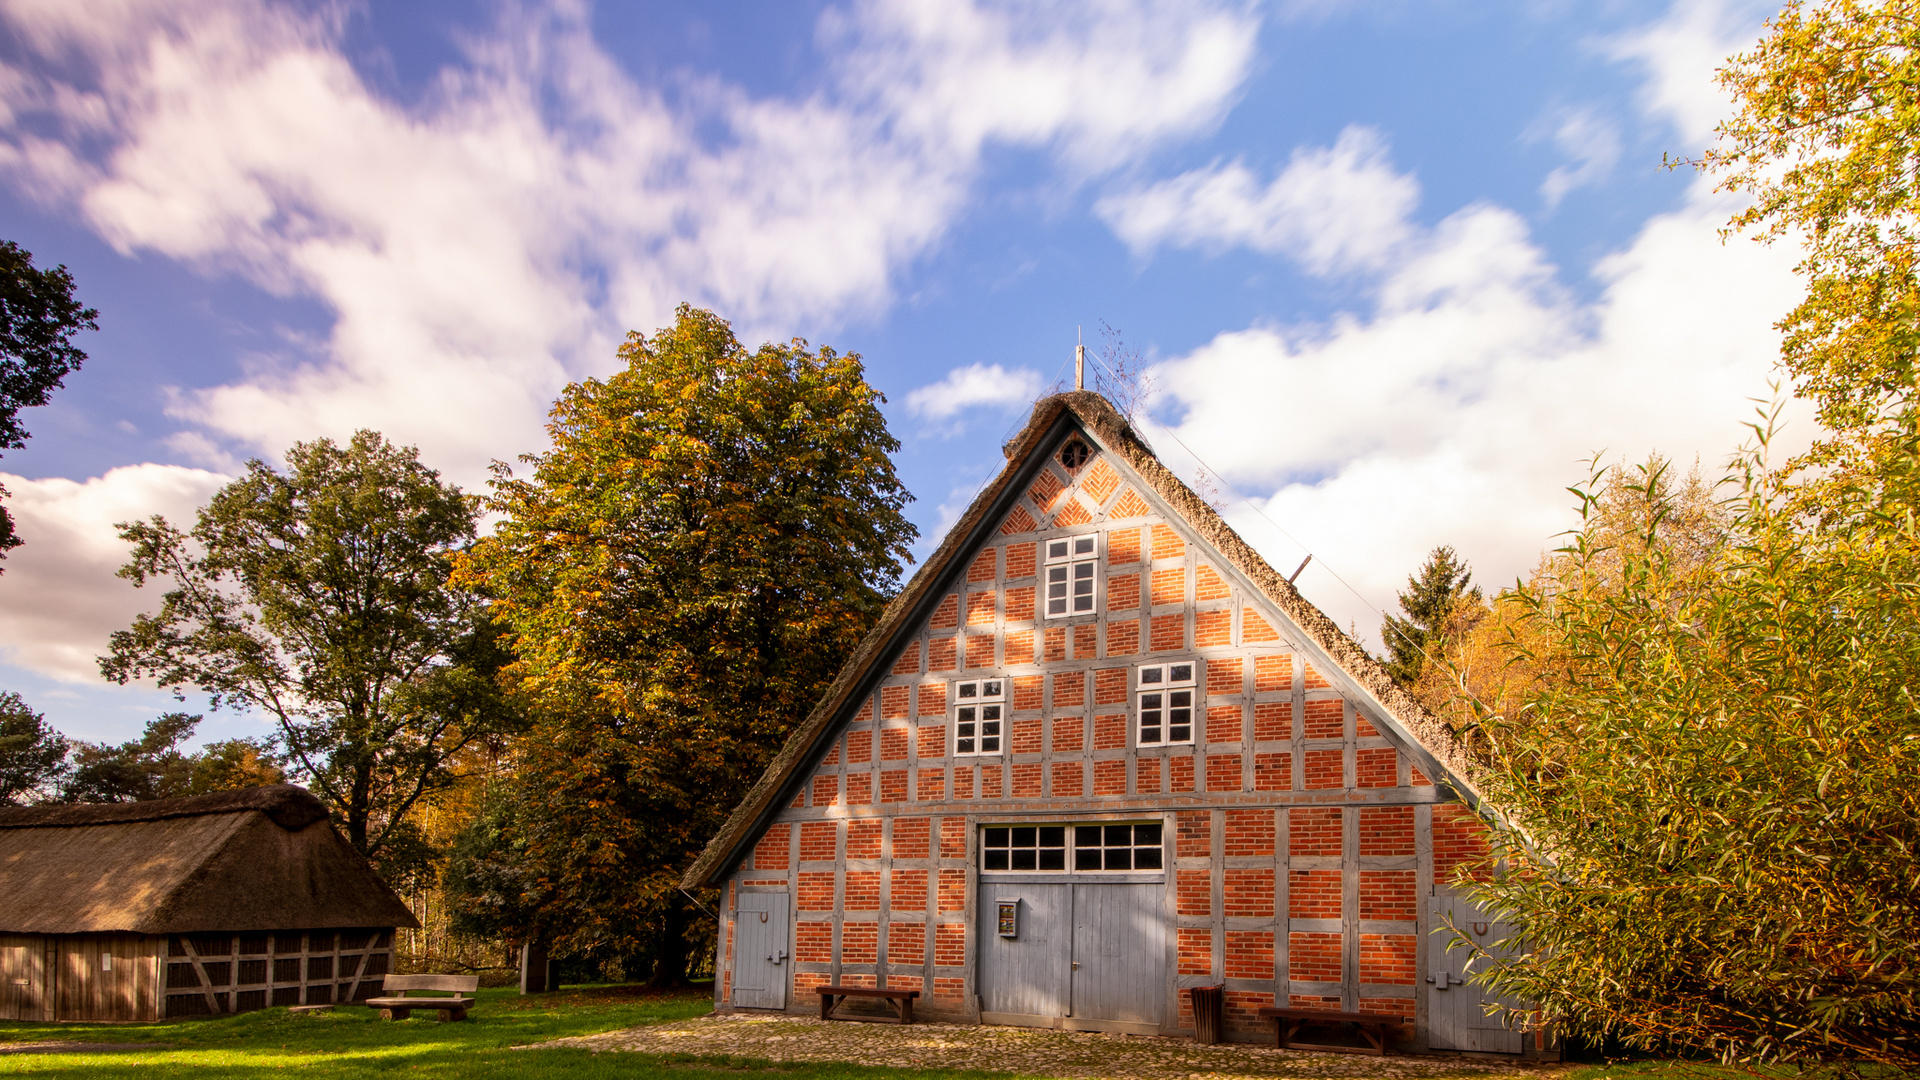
x=1009 y=918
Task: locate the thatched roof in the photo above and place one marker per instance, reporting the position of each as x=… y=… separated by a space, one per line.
x=1096 y=419
x=260 y=859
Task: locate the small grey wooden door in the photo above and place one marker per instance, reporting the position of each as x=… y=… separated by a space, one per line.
x=1456 y=1010
x=760 y=951
x=1119 y=953
x=1027 y=974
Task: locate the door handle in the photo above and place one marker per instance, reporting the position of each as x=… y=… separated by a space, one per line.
x=777 y=958
x=1440 y=981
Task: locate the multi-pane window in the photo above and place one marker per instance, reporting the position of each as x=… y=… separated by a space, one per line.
x=1094 y=848
x=1165 y=700
x=1072 y=563
x=978 y=718
x=1116 y=847
x=1024 y=847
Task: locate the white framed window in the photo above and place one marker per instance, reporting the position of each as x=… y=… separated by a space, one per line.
x=1094 y=847
x=979 y=716
x=1164 y=696
x=1073 y=567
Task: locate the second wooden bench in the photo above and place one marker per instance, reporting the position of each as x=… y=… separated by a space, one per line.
x=901 y=1001
x=398 y=1006
x=1288 y=1022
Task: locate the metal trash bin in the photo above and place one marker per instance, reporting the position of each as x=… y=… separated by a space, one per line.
x=1208 y=1002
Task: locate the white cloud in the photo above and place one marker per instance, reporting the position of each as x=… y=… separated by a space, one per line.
x=1460 y=406
x=974 y=385
x=1681 y=53
x=1333 y=209
x=481 y=246
x=59 y=598
x=1592 y=143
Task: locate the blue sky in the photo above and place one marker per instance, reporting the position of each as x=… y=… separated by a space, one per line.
x=1398 y=268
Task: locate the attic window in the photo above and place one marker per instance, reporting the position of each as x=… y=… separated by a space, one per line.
x=1074 y=454
x=1166 y=703
x=977 y=719
x=1072 y=563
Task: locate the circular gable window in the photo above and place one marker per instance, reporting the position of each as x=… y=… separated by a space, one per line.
x=1074 y=454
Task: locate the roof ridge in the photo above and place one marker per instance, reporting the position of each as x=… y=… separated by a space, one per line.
x=291 y=807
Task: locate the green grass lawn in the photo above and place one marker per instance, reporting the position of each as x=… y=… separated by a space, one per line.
x=354 y=1041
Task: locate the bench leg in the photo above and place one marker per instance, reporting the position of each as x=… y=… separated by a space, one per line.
x=395 y=1014
x=1375 y=1034
x=906 y=1010
x=448 y=1015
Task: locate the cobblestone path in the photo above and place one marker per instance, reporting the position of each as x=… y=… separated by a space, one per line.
x=1029 y=1051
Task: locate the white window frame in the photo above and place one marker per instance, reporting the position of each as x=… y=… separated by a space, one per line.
x=1162 y=692
x=1072 y=850
x=1077 y=561
x=973 y=701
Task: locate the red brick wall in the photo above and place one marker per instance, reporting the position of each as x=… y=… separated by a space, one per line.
x=1313 y=894
x=907 y=890
x=1195 y=950
x=1387 y=959
x=1459 y=839
x=1273 y=772
x=1325 y=769
x=1314 y=830
x=1387 y=894
x=1248 y=893
x=1375 y=767
x=1249 y=833
x=1313 y=957
x=819 y=841
x=950 y=944
x=816 y=891
x=859 y=942
x=1224 y=723
x=1386 y=830
x=912 y=837
x=1325 y=719
x=1223 y=772
x=813 y=942
x=1193 y=834
x=906 y=943
x=1249 y=954
x=771 y=852
x=863 y=839
x=863 y=890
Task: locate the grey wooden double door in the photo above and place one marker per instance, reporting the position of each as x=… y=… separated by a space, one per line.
x=1457 y=1010
x=1092 y=953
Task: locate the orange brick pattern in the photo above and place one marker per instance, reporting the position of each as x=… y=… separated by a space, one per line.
x=1314 y=830
x=859 y=942
x=907 y=890
x=1459 y=839
x=950 y=944
x=1194 y=946
x=1386 y=830
x=1375 y=767
x=1249 y=954
x=1249 y=833
x=771 y=852
x=863 y=839
x=1387 y=894
x=819 y=841
x=1314 y=957
x=1248 y=893
x=1387 y=959
x=1313 y=894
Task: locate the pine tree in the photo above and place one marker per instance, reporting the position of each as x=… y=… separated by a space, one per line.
x=1442 y=584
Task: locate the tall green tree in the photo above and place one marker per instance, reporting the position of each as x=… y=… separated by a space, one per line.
x=33 y=756
x=1443 y=584
x=38 y=319
x=683 y=575
x=319 y=597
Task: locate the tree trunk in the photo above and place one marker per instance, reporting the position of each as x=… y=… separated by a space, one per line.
x=670 y=960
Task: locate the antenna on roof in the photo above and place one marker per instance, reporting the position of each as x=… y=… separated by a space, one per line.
x=1079 y=362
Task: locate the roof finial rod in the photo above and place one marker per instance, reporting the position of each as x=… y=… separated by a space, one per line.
x=1079 y=362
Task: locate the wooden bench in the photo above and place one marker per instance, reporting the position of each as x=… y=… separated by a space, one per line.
x=1288 y=1022
x=900 y=1001
x=398 y=1006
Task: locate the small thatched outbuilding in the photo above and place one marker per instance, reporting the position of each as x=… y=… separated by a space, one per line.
x=179 y=907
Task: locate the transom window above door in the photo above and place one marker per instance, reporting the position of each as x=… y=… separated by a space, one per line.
x=1086 y=848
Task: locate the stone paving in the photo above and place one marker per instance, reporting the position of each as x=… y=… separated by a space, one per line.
x=1028 y=1051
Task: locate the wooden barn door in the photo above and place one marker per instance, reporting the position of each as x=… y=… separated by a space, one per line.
x=1082 y=956
x=108 y=977
x=23 y=978
x=1024 y=977
x=1456 y=1010
x=760 y=947
x=1119 y=953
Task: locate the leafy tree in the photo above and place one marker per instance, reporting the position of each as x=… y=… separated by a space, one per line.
x=1826 y=137
x=1430 y=599
x=38 y=318
x=154 y=767
x=33 y=756
x=683 y=575
x=319 y=596
x=1712 y=801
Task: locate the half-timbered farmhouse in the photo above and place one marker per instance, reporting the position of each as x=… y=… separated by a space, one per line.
x=181 y=907
x=1096 y=753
